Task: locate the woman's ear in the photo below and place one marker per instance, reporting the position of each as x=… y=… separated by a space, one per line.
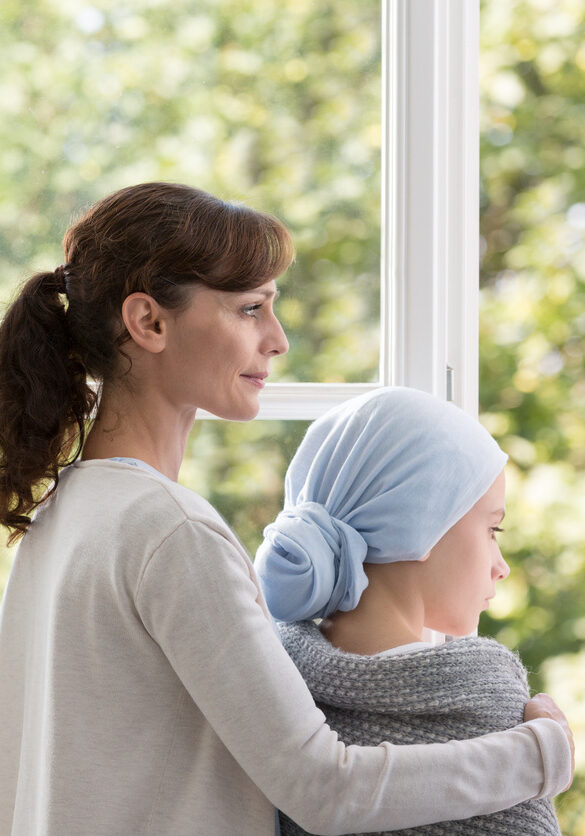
x=145 y=322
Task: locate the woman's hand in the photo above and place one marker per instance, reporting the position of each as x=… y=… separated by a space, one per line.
x=544 y=706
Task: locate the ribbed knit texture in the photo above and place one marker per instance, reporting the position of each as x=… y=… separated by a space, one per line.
x=461 y=689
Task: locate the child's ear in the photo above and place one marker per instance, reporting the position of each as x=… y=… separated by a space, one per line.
x=144 y=321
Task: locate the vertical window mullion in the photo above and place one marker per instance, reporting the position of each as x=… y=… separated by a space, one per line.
x=430 y=237
x=463 y=241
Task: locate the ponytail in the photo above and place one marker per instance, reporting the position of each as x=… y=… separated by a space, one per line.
x=45 y=400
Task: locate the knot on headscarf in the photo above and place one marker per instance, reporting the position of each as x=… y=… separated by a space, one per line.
x=312 y=563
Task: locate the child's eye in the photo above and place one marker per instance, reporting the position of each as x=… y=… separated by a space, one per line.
x=495 y=530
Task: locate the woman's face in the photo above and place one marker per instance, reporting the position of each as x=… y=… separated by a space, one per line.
x=219 y=350
x=462 y=569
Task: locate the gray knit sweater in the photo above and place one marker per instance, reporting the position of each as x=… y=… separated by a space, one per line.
x=461 y=689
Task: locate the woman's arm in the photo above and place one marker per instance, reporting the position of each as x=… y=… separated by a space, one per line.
x=198 y=598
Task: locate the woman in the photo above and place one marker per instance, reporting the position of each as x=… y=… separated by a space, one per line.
x=144 y=688
x=392 y=506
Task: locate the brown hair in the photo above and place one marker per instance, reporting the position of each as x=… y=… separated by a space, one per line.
x=65 y=327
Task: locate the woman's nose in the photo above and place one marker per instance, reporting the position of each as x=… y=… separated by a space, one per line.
x=276 y=340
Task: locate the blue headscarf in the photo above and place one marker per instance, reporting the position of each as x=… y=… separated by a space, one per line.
x=378 y=479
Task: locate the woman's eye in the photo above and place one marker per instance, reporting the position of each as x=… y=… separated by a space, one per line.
x=495 y=530
x=250 y=310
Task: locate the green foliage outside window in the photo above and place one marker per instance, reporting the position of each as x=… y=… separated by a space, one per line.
x=532 y=349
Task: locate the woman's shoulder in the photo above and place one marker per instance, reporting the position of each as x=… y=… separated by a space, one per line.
x=134 y=519
x=122 y=501
x=127 y=483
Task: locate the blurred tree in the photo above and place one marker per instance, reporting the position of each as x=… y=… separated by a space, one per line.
x=277 y=104
x=533 y=337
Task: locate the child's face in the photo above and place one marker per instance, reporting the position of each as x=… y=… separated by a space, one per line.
x=461 y=571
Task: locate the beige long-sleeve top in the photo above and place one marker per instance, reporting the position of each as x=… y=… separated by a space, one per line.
x=143 y=690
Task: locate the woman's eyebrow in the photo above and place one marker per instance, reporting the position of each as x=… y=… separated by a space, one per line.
x=267 y=294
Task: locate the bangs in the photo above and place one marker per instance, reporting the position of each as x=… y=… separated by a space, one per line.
x=257 y=248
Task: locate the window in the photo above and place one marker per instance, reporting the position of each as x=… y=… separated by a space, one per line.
x=347 y=120
x=429 y=234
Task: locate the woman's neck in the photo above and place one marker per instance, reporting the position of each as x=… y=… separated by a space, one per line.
x=390 y=612
x=131 y=426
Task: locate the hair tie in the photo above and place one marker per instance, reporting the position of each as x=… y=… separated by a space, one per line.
x=62 y=273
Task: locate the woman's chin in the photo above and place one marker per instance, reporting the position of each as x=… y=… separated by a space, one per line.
x=241 y=413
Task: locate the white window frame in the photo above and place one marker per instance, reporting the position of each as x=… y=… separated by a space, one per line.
x=429 y=212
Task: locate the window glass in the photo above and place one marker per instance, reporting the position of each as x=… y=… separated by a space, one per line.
x=270 y=102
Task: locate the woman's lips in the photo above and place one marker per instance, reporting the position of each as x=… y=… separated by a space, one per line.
x=256 y=379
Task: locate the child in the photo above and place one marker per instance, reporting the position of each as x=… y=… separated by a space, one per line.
x=392 y=505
